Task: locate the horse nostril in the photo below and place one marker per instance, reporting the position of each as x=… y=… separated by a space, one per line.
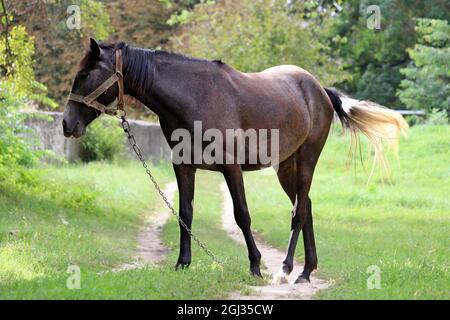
x=64 y=124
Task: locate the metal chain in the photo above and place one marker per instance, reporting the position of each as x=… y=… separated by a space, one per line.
x=131 y=139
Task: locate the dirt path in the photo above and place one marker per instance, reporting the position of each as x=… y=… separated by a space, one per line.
x=151 y=249
x=272 y=259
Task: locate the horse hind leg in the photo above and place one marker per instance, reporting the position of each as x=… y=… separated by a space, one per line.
x=309 y=245
x=287 y=176
x=295 y=176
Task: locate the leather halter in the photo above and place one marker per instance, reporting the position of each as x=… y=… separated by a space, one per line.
x=91 y=99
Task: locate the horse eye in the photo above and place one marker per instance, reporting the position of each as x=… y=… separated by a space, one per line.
x=83 y=75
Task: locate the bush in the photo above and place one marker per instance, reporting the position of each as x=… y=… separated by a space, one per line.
x=14 y=150
x=426 y=84
x=17 y=88
x=434 y=117
x=437 y=117
x=104 y=140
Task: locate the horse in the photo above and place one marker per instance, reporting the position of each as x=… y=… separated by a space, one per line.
x=182 y=90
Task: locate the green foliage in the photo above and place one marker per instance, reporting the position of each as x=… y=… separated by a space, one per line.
x=54 y=217
x=401 y=227
x=13 y=149
x=58 y=48
x=179 y=18
x=47 y=237
x=18 y=75
x=96 y=20
x=437 y=117
x=374 y=57
x=427 y=82
x=18 y=87
x=144 y=23
x=104 y=140
x=254 y=35
x=250 y=35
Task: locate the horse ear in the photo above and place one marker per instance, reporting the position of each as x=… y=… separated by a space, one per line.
x=95 y=48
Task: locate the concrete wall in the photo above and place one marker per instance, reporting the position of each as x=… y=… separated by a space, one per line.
x=150 y=140
x=46 y=126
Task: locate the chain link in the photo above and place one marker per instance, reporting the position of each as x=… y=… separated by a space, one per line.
x=131 y=139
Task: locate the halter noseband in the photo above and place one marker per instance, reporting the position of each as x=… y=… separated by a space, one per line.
x=91 y=99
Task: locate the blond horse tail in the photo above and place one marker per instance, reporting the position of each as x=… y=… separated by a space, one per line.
x=382 y=126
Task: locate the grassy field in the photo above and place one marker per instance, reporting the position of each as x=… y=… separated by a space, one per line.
x=89 y=216
x=403 y=227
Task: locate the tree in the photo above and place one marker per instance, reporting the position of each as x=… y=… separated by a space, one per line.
x=427 y=82
x=374 y=57
x=140 y=22
x=58 y=47
x=18 y=87
x=254 y=35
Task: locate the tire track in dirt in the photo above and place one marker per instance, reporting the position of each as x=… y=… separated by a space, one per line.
x=271 y=259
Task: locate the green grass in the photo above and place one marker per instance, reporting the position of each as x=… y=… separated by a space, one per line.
x=89 y=216
x=402 y=227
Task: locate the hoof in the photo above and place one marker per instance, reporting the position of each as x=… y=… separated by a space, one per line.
x=181 y=266
x=256 y=272
x=302 y=279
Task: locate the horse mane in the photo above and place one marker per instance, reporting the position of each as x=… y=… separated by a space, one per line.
x=138 y=65
x=173 y=56
x=138 y=62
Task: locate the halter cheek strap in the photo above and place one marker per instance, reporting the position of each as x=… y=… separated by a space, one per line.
x=91 y=99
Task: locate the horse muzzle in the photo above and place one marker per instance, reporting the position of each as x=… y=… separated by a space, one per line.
x=75 y=131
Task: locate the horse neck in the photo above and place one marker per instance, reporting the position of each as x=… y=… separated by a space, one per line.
x=158 y=81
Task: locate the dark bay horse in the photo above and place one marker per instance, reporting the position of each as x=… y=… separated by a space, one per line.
x=183 y=90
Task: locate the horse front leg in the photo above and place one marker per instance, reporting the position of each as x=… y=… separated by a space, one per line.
x=186 y=184
x=235 y=182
